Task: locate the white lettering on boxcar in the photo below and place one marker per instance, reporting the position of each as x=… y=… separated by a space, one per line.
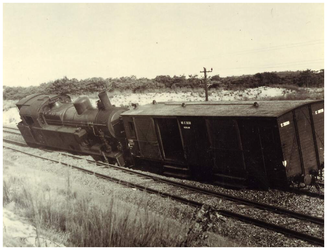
x=187 y=127
x=283 y=124
x=319 y=111
x=186 y=122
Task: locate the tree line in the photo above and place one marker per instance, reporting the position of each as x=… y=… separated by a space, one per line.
x=307 y=78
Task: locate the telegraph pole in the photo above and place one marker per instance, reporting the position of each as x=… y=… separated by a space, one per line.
x=205 y=80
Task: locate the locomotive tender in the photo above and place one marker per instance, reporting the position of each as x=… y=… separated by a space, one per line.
x=265 y=144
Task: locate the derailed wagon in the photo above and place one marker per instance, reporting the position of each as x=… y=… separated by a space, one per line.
x=261 y=144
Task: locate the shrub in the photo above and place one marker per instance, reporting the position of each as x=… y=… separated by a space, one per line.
x=73 y=86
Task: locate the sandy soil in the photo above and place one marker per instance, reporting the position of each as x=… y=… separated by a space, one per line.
x=18 y=232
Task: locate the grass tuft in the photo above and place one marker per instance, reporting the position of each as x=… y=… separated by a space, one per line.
x=90 y=225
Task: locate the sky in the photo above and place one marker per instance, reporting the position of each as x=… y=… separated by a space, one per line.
x=44 y=42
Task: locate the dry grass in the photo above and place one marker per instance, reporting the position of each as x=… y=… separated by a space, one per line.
x=300 y=94
x=74 y=209
x=286 y=86
x=86 y=223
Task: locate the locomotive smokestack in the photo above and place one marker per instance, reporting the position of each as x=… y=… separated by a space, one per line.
x=105 y=100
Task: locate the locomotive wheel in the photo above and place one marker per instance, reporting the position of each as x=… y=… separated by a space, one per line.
x=308 y=179
x=98 y=158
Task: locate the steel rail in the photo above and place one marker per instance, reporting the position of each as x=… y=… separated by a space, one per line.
x=263 y=206
x=308 y=193
x=12 y=128
x=11 y=132
x=288 y=232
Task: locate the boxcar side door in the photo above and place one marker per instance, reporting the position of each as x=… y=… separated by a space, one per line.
x=147 y=138
x=226 y=148
x=196 y=145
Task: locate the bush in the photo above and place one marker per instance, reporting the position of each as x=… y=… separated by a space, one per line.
x=73 y=86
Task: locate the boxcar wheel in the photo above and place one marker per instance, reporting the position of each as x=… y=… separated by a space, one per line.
x=32 y=145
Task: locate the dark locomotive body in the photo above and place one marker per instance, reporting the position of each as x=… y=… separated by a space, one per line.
x=55 y=122
x=266 y=144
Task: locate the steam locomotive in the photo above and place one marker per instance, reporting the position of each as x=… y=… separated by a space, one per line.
x=261 y=144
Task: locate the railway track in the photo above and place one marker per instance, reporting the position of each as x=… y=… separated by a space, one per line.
x=220 y=195
x=308 y=193
x=289 y=232
x=292 y=190
x=11 y=128
x=11 y=132
x=247 y=202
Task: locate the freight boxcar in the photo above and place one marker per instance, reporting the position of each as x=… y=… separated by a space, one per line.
x=265 y=144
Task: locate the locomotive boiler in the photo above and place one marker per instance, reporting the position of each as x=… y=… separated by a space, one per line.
x=53 y=121
x=259 y=144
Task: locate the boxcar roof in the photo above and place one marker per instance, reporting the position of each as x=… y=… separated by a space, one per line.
x=221 y=109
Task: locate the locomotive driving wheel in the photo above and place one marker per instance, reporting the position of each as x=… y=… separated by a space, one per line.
x=98 y=158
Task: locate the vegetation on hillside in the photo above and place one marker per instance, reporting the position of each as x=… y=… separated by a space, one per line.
x=307 y=78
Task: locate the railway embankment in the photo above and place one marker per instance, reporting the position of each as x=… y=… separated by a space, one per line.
x=196 y=218
x=74 y=209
